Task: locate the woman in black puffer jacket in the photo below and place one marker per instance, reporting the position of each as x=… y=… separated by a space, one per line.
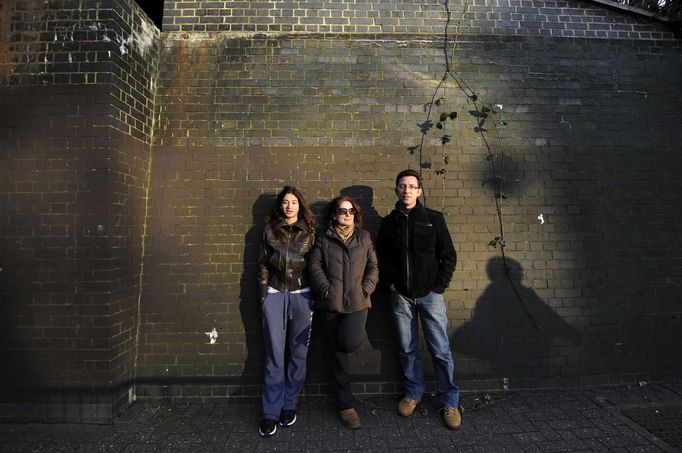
x=343 y=274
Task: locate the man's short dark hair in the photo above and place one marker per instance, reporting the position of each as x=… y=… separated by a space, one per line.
x=408 y=172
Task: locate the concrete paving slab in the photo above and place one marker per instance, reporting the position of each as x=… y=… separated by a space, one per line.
x=577 y=420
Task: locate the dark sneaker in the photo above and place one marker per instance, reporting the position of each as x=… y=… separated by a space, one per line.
x=350 y=418
x=267 y=428
x=406 y=406
x=451 y=417
x=287 y=417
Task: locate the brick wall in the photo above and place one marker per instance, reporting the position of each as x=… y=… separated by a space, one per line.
x=333 y=107
x=408 y=17
x=236 y=99
x=77 y=97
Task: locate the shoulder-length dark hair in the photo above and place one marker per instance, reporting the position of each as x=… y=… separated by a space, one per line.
x=334 y=205
x=304 y=213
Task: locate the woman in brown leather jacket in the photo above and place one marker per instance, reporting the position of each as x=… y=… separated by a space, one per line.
x=286 y=305
x=343 y=274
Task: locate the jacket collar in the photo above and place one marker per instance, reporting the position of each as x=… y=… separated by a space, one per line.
x=417 y=208
x=299 y=224
x=331 y=232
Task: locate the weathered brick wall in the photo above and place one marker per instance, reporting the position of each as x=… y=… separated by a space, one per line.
x=506 y=17
x=249 y=96
x=332 y=104
x=77 y=97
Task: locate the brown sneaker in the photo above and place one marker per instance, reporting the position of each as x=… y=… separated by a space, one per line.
x=452 y=417
x=406 y=406
x=350 y=419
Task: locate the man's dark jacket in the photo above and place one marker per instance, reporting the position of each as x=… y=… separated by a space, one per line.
x=415 y=251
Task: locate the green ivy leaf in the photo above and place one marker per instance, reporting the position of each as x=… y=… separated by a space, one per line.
x=440 y=100
x=443 y=116
x=446 y=160
x=439 y=125
x=453 y=115
x=445 y=139
x=412 y=149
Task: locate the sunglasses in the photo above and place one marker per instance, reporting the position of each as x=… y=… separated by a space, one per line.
x=342 y=211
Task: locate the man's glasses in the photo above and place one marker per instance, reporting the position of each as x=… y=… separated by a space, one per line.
x=404 y=187
x=343 y=211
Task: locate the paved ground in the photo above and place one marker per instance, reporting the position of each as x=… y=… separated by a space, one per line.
x=547 y=421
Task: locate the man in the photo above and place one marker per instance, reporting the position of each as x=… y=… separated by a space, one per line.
x=417 y=260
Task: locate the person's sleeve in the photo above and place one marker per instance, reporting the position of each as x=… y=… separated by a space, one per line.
x=371 y=276
x=445 y=255
x=318 y=278
x=263 y=272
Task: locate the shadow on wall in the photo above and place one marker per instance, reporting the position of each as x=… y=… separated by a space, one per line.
x=249 y=307
x=380 y=332
x=379 y=329
x=512 y=329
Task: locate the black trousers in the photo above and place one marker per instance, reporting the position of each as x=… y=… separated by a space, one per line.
x=344 y=333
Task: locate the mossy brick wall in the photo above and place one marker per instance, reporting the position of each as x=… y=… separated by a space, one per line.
x=76 y=120
x=328 y=95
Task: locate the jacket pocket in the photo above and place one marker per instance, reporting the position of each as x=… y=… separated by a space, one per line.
x=424 y=236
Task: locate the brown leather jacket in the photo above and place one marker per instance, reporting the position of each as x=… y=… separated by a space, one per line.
x=282 y=264
x=343 y=276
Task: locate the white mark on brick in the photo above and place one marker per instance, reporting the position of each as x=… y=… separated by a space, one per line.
x=70 y=58
x=212 y=336
x=145 y=38
x=541 y=218
x=499 y=106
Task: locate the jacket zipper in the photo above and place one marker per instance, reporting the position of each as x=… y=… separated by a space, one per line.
x=407 y=254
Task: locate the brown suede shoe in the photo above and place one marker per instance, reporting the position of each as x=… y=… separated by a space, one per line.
x=406 y=406
x=451 y=417
x=350 y=419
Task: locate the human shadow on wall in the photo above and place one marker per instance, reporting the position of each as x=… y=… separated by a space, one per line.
x=249 y=306
x=512 y=329
x=379 y=329
x=317 y=352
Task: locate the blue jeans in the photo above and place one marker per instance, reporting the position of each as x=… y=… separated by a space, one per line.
x=431 y=310
x=287 y=322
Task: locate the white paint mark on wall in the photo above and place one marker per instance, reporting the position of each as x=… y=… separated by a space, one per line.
x=212 y=336
x=145 y=38
x=541 y=218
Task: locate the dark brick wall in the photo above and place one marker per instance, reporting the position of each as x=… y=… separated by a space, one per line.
x=243 y=114
x=408 y=17
x=77 y=96
x=237 y=99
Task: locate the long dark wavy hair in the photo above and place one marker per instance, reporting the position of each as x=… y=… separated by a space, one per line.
x=304 y=213
x=334 y=205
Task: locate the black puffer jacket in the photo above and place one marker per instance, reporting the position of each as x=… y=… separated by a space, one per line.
x=282 y=264
x=416 y=252
x=343 y=276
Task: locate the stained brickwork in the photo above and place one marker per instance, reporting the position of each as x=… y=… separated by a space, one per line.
x=77 y=96
x=469 y=17
x=236 y=99
x=243 y=114
x=72 y=42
